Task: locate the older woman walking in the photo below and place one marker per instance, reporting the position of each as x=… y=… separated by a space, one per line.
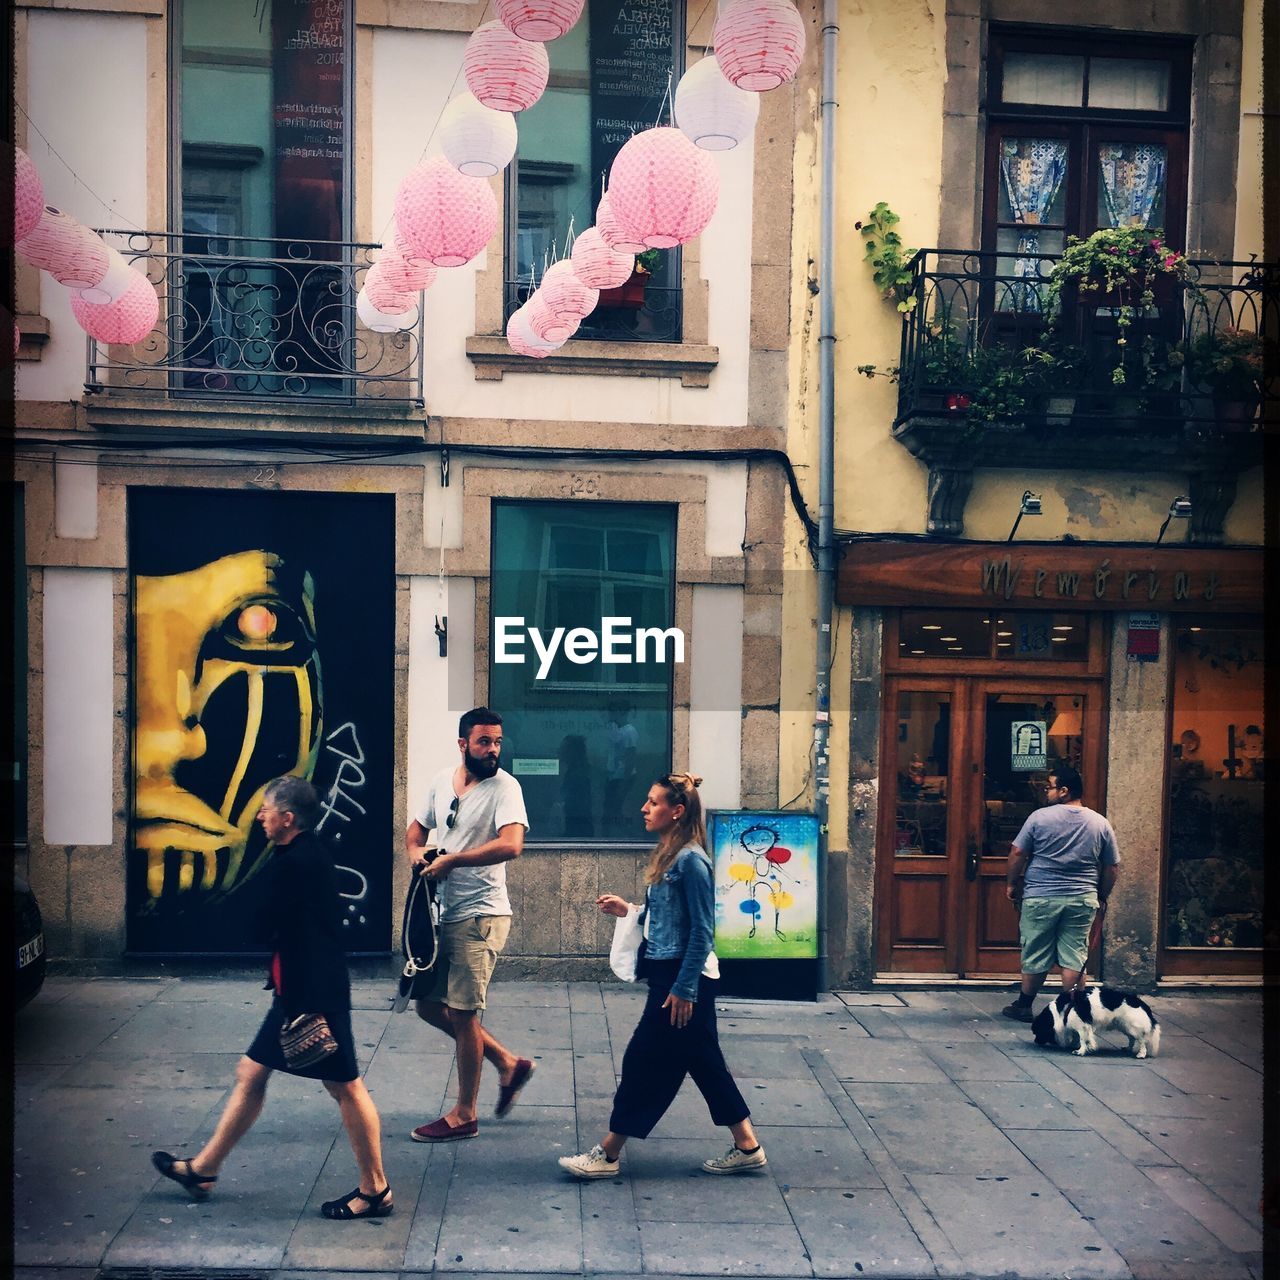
x=309 y=976
x=676 y=1035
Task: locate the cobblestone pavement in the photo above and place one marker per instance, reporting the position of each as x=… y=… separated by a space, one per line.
x=909 y=1133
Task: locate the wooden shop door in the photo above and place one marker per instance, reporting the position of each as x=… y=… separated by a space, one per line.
x=965 y=759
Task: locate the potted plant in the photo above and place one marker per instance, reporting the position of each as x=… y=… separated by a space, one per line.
x=1130 y=269
x=630 y=293
x=1229 y=364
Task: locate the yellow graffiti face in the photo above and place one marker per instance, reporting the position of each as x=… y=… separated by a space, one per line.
x=227 y=689
x=742 y=871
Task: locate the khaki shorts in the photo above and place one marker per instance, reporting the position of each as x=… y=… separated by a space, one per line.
x=1056 y=930
x=469 y=950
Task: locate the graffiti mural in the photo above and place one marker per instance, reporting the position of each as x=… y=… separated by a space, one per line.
x=262 y=644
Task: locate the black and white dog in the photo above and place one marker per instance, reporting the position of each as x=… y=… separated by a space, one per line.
x=1078 y=1015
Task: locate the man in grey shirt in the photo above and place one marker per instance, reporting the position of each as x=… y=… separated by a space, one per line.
x=477 y=811
x=1062 y=868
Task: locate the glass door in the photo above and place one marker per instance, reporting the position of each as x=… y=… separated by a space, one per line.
x=1020 y=732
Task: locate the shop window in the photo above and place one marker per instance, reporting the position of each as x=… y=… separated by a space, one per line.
x=1214 y=875
x=584 y=738
x=1033 y=634
x=610 y=78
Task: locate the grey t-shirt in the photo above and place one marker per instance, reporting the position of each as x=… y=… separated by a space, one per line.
x=1067 y=844
x=485 y=809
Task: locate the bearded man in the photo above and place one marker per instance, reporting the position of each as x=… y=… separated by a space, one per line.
x=477 y=812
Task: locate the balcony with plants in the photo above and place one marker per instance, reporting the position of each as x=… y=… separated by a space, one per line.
x=1118 y=353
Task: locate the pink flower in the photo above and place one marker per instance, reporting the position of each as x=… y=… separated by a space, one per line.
x=1170 y=260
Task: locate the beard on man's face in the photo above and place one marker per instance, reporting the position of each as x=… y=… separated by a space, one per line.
x=481 y=766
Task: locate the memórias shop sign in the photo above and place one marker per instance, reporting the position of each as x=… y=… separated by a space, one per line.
x=1052 y=576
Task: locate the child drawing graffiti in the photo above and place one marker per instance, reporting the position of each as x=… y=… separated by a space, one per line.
x=764 y=871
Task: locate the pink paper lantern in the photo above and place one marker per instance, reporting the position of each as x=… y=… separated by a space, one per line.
x=663 y=188
x=549 y=326
x=72 y=254
x=443 y=215
x=619 y=238
x=759 y=43
x=123 y=322
x=114 y=284
x=384 y=294
x=566 y=295
x=523 y=340
x=539 y=19
x=410 y=271
x=503 y=71
x=28 y=195
x=598 y=266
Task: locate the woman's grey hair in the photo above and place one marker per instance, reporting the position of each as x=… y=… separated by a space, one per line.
x=297 y=796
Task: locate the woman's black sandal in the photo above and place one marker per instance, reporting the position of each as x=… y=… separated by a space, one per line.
x=341 y=1209
x=191 y=1181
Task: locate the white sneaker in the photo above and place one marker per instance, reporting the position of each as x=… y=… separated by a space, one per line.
x=591 y=1164
x=736 y=1161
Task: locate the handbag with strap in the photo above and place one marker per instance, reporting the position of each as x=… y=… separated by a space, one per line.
x=307 y=1040
x=419 y=940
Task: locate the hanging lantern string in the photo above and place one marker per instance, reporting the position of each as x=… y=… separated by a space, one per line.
x=35 y=128
x=448 y=98
x=666 y=98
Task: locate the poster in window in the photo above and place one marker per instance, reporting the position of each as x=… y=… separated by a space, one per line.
x=308 y=64
x=263 y=643
x=632 y=54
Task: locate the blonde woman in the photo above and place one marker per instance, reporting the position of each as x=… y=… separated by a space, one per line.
x=677 y=1031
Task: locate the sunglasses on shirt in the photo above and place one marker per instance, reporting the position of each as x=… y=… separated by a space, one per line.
x=453 y=814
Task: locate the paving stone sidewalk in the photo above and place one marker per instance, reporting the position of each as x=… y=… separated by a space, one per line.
x=909 y=1133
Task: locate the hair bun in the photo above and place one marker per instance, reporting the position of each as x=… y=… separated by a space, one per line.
x=695 y=780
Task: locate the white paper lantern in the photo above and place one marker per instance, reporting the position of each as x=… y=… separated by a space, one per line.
x=477 y=140
x=663 y=188
x=759 y=43
x=523 y=340
x=28 y=195
x=71 y=253
x=381 y=322
x=595 y=264
x=114 y=284
x=443 y=215
x=619 y=238
x=538 y=19
x=566 y=295
x=503 y=71
x=712 y=113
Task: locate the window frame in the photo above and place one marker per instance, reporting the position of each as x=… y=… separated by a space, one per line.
x=550 y=689
x=1085 y=128
x=176 y=148
x=511 y=290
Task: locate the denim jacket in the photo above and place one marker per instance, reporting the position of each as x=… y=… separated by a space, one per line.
x=680 y=918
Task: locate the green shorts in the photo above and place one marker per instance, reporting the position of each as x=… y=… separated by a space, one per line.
x=1056 y=930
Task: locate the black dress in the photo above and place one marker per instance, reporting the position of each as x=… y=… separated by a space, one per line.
x=302 y=918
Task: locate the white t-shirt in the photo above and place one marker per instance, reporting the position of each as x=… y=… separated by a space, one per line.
x=484 y=810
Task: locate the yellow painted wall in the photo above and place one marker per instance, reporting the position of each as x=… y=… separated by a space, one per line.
x=891 y=71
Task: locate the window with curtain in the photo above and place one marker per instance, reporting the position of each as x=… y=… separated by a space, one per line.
x=610 y=78
x=584 y=738
x=1082 y=134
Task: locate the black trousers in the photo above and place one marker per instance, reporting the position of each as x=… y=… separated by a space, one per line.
x=659 y=1057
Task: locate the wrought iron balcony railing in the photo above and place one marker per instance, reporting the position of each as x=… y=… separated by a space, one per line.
x=635 y=312
x=987 y=343
x=258 y=319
